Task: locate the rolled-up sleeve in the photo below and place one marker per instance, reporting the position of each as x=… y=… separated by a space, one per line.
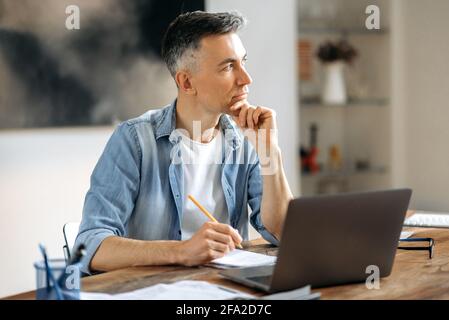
x=114 y=186
x=255 y=188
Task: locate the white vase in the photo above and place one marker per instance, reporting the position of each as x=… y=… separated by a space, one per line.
x=334 y=88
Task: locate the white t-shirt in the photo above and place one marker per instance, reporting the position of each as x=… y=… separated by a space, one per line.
x=202 y=179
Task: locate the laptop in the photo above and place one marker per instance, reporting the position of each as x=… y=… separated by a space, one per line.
x=331 y=240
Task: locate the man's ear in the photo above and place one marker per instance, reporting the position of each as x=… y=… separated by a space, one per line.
x=184 y=81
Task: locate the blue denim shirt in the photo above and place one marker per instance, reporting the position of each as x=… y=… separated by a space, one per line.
x=136 y=188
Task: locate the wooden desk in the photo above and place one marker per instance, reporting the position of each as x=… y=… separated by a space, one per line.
x=414 y=275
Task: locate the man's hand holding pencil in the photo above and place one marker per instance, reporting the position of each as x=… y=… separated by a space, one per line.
x=212 y=241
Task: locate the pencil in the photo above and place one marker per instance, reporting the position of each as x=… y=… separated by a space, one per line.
x=207 y=213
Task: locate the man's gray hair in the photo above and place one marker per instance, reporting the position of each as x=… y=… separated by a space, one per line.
x=184 y=34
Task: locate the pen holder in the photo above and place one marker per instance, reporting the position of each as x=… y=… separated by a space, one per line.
x=67 y=280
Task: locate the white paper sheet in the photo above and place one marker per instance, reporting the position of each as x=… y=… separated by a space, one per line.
x=240 y=258
x=181 y=290
x=406 y=234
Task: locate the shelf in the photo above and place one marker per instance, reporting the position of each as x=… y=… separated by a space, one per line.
x=340 y=31
x=344 y=173
x=368 y=102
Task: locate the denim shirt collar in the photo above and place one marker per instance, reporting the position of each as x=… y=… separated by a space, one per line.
x=166 y=126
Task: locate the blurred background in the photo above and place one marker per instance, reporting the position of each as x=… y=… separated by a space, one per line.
x=361 y=98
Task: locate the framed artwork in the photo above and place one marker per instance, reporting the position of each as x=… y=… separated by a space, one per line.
x=107 y=69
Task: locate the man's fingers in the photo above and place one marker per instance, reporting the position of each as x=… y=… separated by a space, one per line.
x=242 y=115
x=245 y=115
x=237 y=105
x=236 y=109
x=214 y=254
x=218 y=246
x=222 y=238
x=236 y=236
x=227 y=230
x=256 y=115
x=249 y=118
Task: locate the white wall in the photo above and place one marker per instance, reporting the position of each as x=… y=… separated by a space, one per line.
x=270 y=40
x=423 y=102
x=44 y=176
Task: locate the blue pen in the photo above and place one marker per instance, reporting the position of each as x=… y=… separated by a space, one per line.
x=50 y=273
x=47 y=277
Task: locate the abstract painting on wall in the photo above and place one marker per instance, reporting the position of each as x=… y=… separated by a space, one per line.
x=107 y=70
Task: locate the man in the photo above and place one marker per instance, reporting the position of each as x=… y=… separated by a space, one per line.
x=137 y=212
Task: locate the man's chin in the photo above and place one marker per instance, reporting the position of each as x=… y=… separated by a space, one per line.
x=227 y=110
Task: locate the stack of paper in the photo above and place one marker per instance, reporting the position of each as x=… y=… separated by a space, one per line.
x=182 y=290
x=240 y=259
x=197 y=290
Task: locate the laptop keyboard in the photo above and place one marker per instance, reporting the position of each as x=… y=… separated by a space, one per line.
x=266 y=280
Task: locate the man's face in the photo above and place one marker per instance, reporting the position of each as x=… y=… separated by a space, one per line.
x=220 y=78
